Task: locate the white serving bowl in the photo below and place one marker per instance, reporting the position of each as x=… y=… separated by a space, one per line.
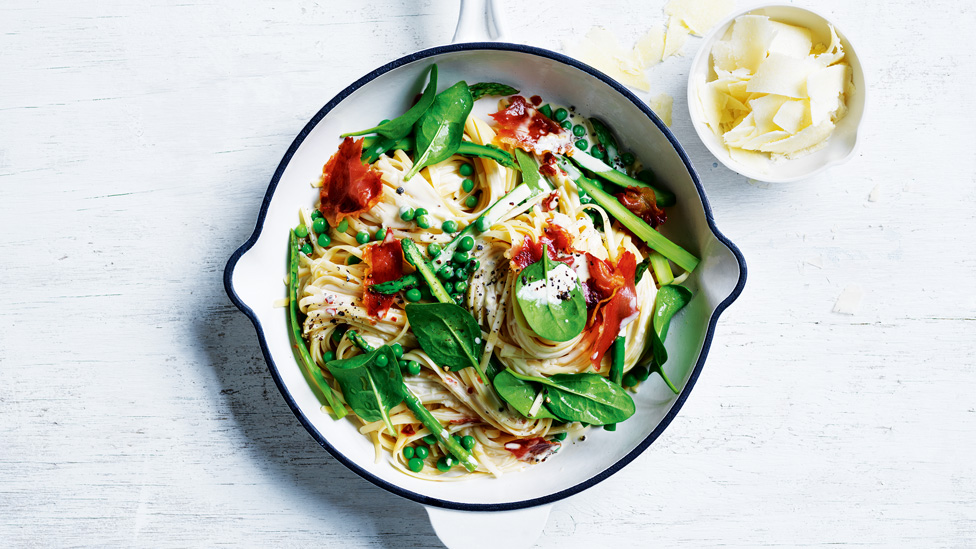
x=842 y=143
x=253 y=276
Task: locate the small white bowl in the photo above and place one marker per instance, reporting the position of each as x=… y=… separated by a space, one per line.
x=843 y=141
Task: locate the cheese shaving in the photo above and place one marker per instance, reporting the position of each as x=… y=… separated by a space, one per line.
x=699 y=16
x=774 y=94
x=662 y=105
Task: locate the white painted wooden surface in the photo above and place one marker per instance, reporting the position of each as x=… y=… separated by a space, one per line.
x=136 y=143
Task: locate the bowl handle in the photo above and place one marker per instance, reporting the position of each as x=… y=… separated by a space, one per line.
x=477 y=22
x=481 y=529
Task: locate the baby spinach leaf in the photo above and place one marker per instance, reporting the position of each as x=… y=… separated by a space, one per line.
x=669 y=300
x=589 y=398
x=439 y=130
x=447 y=333
x=482 y=89
x=549 y=296
x=520 y=394
x=370 y=389
x=400 y=126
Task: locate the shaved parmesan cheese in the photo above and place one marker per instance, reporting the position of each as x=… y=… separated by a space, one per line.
x=699 y=15
x=662 y=105
x=825 y=87
x=650 y=48
x=783 y=75
x=849 y=300
x=791 y=40
x=600 y=49
x=806 y=138
x=675 y=37
x=751 y=36
x=792 y=115
x=875 y=194
x=775 y=95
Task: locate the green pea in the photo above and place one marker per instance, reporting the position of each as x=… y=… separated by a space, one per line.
x=630 y=380
x=353 y=260
x=449 y=226
x=307 y=249
x=559 y=436
x=407 y=214
x=362 y=237
x=343 y=226
x=471 y=201
x=415 y=465
x=430 y=440
x=423 y=221
x=448 y=287
x=445 y=463
x=445 y=273
x=467 y=185
x=408 y=453
x=413 y=367
x=433 y=249
x=467 y=442
x=546 y=110
x=641 y=373
x=328 y=356
x=421 y=451
x=579 y=130
x=627 y=159
x=460 y=286
x=466 y=169
x=319 y=226
x=566 y=124
x=597 y=152
x=380 y=235
x=581 y=144
x=457 y=438
x=397 y=350
x=413 y=294
x=301 y=231
x=482 y=224
x=561 y=114
x=460 y=257
x=466 y=244
x=324 y=240
x=316 y=214
x=381 y=360
x=420 y=211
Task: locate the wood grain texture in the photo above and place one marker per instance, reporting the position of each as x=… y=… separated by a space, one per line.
x=136 y=143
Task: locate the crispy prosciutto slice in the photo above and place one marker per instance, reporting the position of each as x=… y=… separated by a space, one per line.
x=384 y=262
x=523 y=126
x=559 y=245
x=612 y=287
x=642 y=203
x=349 y=187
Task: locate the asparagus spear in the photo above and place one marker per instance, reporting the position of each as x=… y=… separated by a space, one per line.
x=662 y=197
x=617 y=369
x=308 y=365
x=417 y=259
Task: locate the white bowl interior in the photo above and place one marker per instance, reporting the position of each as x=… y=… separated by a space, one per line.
x=257 y=278
x=842 y=142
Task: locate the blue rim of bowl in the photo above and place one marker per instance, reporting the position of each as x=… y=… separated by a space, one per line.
x=437 y=502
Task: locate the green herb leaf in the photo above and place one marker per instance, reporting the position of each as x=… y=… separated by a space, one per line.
x=520 y=394
x=669 y=300
x=589 y=398
x=401 y=125
x=481 y=89
x=370 y=389
x=447 y=333
x=439 y=130
x=549 y=296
